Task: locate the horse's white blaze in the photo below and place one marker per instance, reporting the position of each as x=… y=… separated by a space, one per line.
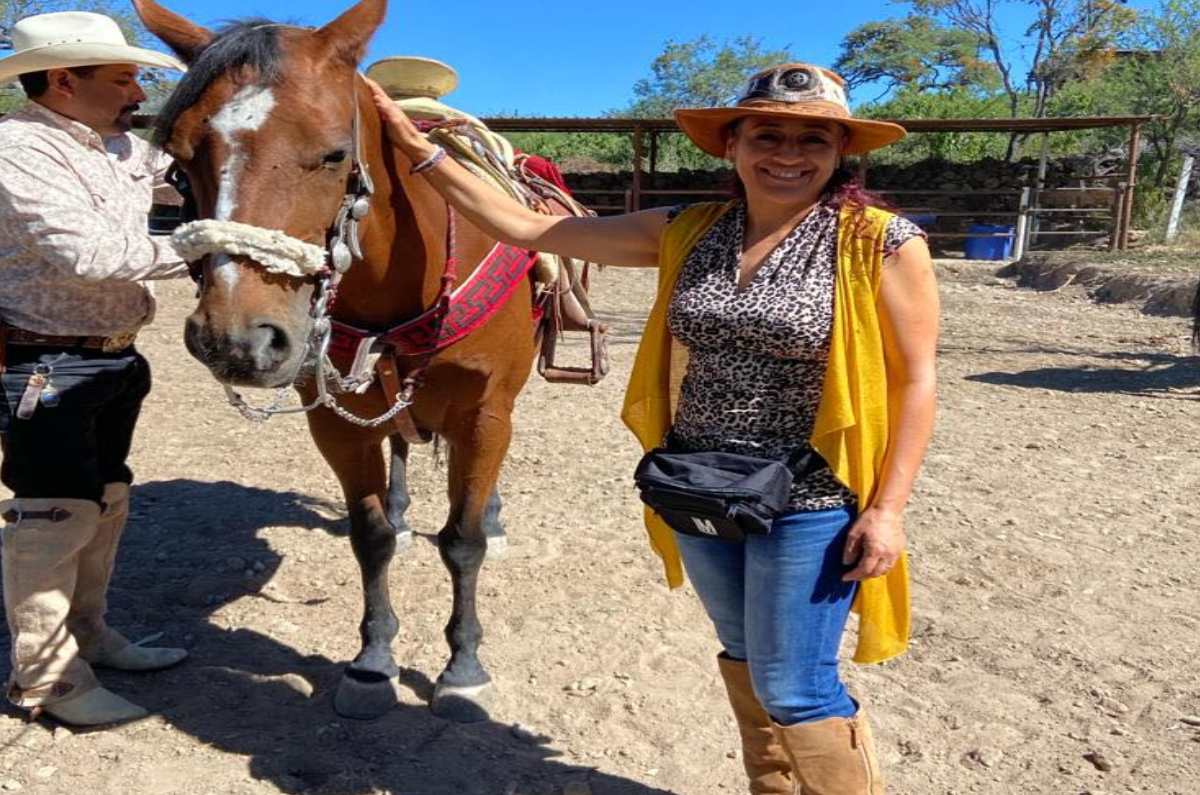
x=225 y=270
x=245 y=112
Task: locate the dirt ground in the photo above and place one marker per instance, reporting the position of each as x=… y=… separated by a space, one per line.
x=1054 y=546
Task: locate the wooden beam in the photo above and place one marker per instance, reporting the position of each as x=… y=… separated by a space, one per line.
x=1131 y=167
x=653 y=158
x=635 y=196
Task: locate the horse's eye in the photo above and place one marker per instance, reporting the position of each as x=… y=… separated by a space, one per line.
x=334 y=157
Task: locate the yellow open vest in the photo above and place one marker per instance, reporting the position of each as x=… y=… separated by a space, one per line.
x=851 y=430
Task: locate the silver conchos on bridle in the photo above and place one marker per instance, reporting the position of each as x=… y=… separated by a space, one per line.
x=278 y=252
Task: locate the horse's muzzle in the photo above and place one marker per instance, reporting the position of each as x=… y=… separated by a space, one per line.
x=262 y=354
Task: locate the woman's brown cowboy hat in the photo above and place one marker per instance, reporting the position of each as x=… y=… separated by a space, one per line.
x=788 y=91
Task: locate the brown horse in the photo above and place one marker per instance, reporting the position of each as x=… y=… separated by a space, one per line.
x=272 y=127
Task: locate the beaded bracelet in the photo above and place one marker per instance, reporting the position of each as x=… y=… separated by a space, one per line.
x=439 y=154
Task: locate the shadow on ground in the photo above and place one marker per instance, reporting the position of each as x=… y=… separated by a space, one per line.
x=1161 y=375
x=185 y=554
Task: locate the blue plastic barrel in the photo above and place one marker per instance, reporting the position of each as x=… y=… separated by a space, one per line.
x=998 y=247
x=924 y=220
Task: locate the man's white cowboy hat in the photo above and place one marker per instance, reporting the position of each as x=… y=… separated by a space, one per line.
x=73 y=38
x=412 y=76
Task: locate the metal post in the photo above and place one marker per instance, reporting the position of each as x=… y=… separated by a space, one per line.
x=1118 y=216
x=1135 y=136
x=1181 y=187
x=1022 y=224
x=635 y=198
x=1038 y=187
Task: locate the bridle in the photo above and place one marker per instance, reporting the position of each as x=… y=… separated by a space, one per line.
x=343 y=246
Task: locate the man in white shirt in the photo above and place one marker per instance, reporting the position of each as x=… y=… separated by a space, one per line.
x=75 y=192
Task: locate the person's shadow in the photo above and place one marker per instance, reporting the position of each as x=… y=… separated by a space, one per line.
x=191 y=548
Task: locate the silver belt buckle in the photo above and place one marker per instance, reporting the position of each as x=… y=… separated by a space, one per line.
x=119 y=342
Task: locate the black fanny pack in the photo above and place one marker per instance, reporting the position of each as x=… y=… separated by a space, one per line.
x=719 y=495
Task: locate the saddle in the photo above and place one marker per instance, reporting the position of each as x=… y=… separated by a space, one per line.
x=560 y=284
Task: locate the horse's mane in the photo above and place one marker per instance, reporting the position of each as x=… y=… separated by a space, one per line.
x=248 y=44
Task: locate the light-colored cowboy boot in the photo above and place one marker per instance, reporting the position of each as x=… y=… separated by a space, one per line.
x=834 y=756
x=100 y=644
x=767 y=765
x=42 y=541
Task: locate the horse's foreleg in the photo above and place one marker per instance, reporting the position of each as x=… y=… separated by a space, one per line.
x=367 y=688
x=398 y=498
x=475 y=458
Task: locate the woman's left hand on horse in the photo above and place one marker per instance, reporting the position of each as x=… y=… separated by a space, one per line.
x=876 y=541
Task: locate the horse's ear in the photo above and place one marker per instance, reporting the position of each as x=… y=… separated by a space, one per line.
x=346 y=37
x=186 y=38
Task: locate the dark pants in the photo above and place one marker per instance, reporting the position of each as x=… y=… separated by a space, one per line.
x=73 y=448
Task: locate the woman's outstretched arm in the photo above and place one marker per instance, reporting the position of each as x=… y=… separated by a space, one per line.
x=630 y=239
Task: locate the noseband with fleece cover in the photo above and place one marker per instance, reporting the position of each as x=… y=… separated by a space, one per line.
x=272 y=249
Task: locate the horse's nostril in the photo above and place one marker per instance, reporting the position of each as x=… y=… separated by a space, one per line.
x=278 y=337
x=270 y=345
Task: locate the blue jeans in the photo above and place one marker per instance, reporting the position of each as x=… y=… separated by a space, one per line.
x=778 y=602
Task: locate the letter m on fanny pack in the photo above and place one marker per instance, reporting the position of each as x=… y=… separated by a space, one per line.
x=704 y=526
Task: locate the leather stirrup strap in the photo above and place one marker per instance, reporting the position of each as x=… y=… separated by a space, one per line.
x=389 y=382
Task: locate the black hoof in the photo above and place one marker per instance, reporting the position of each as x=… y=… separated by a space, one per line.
x=462 y=704
x=365 y=699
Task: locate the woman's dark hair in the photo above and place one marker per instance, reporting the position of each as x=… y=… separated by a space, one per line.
x=37 y=83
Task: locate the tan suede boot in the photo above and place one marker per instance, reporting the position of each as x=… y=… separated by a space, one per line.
x=834 y=756
x=767 y=765
x=42 y=541
x=100 y=644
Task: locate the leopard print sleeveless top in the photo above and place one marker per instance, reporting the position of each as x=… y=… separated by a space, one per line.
x=757 y=355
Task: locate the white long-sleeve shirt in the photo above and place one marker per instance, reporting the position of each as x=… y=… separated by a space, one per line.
x=74 y=243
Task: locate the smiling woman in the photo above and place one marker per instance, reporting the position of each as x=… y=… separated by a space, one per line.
x=803 y=320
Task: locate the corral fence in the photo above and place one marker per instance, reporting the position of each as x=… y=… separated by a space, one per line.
x=1093 y=207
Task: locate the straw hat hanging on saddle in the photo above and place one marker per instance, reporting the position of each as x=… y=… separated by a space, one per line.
x=411 y=76
x=73 y=38
x=793 y=91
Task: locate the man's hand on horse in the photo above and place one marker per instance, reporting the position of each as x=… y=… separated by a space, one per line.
x=399 y=128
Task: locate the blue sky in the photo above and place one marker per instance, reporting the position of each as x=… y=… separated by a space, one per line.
x=571 y=59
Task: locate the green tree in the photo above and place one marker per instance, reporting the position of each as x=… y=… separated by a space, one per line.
x=699 y=73
x=952 y=45
x=915 y=52
x=1158 y=75
x=696 y=73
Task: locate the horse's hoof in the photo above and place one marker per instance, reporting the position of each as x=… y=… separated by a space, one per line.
x=462 y=704
x=365 y=700
x=497 y=547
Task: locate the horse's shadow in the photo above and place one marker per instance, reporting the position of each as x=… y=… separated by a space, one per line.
x=1163 y=375
x=189 y=550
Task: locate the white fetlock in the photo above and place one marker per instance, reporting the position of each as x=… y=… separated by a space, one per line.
x=96 y=707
